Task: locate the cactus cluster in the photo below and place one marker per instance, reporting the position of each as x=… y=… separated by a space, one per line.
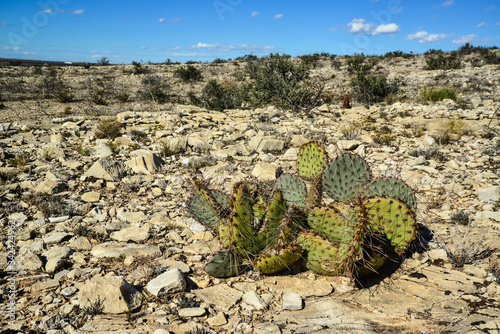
x=368 y=221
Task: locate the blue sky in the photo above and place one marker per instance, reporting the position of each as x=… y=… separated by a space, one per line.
x=126 y=31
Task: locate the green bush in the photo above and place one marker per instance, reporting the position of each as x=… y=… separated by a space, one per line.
x=369 y=88
x=108 y=128
x=218 y=96
x=442 y=62
x=277 y=81
x=188 y=73
x=438 y=94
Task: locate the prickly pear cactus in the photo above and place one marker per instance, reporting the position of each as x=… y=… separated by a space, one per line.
x=369 y=222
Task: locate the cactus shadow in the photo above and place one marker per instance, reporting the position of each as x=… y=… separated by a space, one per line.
x=420 y=246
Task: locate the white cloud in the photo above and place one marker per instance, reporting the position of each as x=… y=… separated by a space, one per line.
x=448 y=3
x=359 y=26
x=481 y=25
x=278 y=16
x=390 y=28
x=424 y=37
x=78 y=11
x=176 y=20
x=254 y=14
x=48 y=10
x=465 y=39
x=162 y=20
x=232 y=47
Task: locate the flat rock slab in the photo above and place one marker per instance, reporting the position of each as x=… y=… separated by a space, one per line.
x=135 y=233
x=114 y=293
x=304 y=288
x=114 y=250
x=222 y=296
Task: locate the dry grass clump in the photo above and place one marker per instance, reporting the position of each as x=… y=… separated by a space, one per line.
x=108 y=128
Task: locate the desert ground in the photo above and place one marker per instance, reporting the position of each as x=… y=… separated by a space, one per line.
x=98 y=162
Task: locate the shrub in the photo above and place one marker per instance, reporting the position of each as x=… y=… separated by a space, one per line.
x=108 y=128
x=188 y=73
x=138 y=69
x=153 y=88
x=310 y=60
x=277 y=81
x=442 y=62
x=103 y=61
x=369 y=88
x=218 y=96
x=438 y=94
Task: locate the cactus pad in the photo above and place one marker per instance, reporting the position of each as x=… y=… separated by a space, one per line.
x=202 y=206
x=311 y=160
x=293 y=188
x=345 y=177
x=223 y=264
x=392 y=219
x=394 y=188
x=272 y=261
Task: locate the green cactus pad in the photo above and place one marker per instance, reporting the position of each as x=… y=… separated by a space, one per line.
x=223 y=264
x=201 y=205
x=322 y=253
x=259 y=211
x=327 y=222
x=394 y=188
x=293 y=188
x=392 y=219
x=345 y=177
x=311 y=160
x=272 y=261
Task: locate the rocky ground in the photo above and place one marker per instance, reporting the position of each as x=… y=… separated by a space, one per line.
x=103 y=242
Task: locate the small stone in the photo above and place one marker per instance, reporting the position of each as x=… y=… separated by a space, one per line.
x=264 y=171
x=137 y=234
x=131 y=217
x=218 y=320
x=191 y=312
x=69 y=291
x=91 y=197
x=292 y=301
x=437 y=254
x=253 y=299
x=348 y=145
x=221 y=296
x=169 y=282
x=45 y=285
x=270 y=145
x=115 y=250
x=56 y=237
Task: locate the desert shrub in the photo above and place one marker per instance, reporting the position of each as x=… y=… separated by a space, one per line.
x=108 y=128
x=103 y=61
x=442 y=62
x=369 y=88
x=154 y=88
x=438 y=94
x=188 y=73
x=277 y=81
x=218 y=96
x=310 y=59
x=138 y=69
x=356 y=64
x=52 y=86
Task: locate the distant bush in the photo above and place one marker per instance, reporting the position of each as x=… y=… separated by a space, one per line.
x=108 y=128
x=138 y=68
x=103 y=61
x=438 y=94
x=360 y=63
x=154 y=88
x=188 y=73
x=310 y=59
x=442 y=62
x=398 y=53
x=369 y=88
x=277 y=81
x=216 y=96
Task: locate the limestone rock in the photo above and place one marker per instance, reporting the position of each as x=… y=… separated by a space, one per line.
x=91 y=197
x=115 y=250
x=264 y=171
x=220 y=296
x=169 y=282
x=116 y=294
x=136 y=233
x=292 y=301
x=146 y=163
x=490 y=194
